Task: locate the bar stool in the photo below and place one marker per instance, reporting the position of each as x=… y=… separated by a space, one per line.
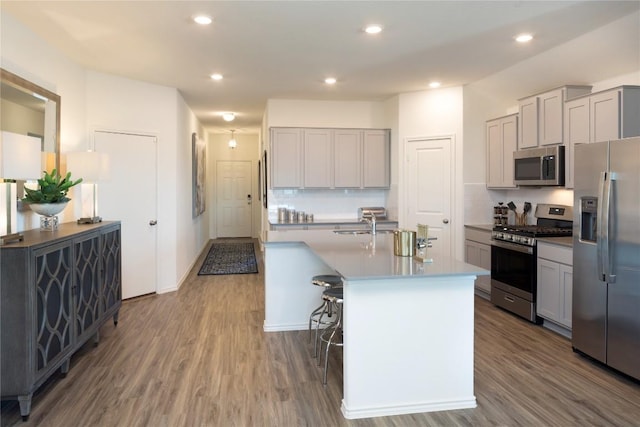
x=328 y=281
x=332 y=334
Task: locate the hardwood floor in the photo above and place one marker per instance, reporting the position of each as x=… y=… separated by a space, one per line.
x=199 y=357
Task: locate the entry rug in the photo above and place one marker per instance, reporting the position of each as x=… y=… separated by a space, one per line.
x=229 y=258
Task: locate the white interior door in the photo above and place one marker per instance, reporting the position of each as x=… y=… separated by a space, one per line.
x=428 y=198
x=130 y=195
x=234 y=200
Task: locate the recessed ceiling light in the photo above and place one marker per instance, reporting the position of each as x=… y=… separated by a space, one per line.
x=373 y=29
x=228 y=117
x=330 y=80
x=202 y=19
x=434 y=85
x=523 y=38
x=216 y=76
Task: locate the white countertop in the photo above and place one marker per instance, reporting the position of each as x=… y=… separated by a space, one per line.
x=481 y=227
x=566 y=241
x=357 y=258
x=387 y=223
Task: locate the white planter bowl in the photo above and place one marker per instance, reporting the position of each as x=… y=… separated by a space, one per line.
x=48 y=209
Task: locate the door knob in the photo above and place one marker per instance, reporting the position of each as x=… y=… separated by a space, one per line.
x=445 y=221
x=153 y=222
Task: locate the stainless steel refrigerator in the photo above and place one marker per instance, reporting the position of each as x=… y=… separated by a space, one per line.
x=606 y=253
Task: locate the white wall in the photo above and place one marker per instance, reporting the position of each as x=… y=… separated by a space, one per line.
x=435 y=113
x=392 y=121
x=331 y=114
x=91 y=100
x=192 y=233
x=120 y=104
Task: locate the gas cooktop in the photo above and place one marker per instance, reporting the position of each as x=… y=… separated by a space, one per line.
x=552 y=221
x=534 y=230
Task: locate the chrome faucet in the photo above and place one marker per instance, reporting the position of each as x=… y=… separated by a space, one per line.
x=372 y=222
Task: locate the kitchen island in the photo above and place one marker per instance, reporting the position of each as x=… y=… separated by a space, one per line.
x=408 y=326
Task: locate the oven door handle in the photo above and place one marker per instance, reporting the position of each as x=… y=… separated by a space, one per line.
x=512 y=246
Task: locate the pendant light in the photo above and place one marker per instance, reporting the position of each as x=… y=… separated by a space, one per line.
x=232 y=142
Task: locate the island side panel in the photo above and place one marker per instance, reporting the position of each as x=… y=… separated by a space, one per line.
x=408 y=346
x=289 y=295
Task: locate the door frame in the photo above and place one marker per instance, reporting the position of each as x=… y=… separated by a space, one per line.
x=157 y=178
x=456 y=201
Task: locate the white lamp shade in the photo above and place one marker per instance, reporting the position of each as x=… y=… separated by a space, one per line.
x=20 y=156
x=91 y=166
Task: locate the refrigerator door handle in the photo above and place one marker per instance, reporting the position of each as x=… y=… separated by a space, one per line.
x=609 y=219
x=602 y=224
x=605 y=264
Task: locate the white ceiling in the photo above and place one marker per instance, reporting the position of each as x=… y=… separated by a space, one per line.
x=284 y=49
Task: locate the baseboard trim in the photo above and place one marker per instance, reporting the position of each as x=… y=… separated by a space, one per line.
x=285 y=327
x=384 y=411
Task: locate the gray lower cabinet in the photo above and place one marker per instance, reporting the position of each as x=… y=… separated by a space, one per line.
x=57 y=289
x=555 y=285
x=477 y=251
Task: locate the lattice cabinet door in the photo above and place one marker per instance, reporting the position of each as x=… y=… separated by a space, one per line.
x=111 y=273
x=87 y=288
x=54 y=308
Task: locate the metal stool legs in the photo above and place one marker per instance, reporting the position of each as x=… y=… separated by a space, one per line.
x=332 y=335
x=317 y=316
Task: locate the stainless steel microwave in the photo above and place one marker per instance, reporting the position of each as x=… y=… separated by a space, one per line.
x=539 y=166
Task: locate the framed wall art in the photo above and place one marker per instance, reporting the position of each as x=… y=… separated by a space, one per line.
x=199 y=173
x=264 y=180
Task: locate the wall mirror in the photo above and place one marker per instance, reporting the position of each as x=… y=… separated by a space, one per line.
x=29 y=109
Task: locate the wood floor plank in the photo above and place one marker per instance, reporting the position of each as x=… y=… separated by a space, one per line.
x=199 y=357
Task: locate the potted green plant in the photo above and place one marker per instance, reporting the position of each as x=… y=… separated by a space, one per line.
x=50 y=197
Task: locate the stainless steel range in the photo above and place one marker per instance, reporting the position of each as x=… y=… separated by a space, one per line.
x=513 y=258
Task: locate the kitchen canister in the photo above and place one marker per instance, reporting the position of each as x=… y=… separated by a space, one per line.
x=301 y=217
x=404 y=243
x=282 y=214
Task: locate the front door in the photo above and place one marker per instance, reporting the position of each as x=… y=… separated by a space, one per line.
x=428 y=178
x=234 y=200
x=129 y=195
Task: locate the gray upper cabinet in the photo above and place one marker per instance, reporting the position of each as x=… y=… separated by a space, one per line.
x=528 y=133
x=347 y=158
x=614 y=114
x=375 y=159
x=602 y=116
x=286 y=158
x=318 y=168
x=541 y=116
x=502 y=140
x=330 y=158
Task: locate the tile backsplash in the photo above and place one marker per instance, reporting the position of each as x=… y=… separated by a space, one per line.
x=479 y=202
x=325 y=204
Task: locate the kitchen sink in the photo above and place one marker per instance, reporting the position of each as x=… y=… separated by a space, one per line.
x=355 y=232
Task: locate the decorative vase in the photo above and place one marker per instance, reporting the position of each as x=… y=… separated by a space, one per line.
x=48 y=212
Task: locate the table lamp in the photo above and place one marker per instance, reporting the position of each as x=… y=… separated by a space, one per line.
x=92 y=167
x=20 y=159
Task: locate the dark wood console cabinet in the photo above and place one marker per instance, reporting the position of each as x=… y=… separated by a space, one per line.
x=57 y=289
